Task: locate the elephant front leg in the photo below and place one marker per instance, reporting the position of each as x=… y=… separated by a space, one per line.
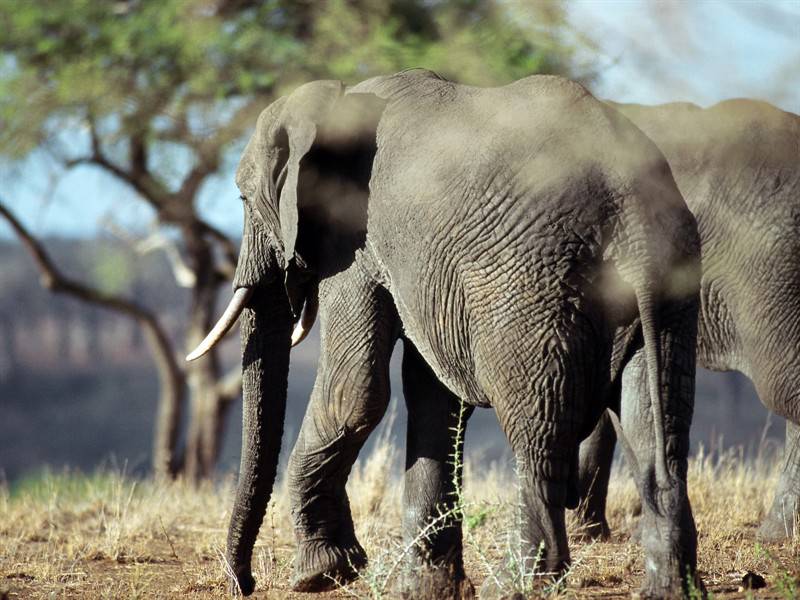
x=431 y=506
x=783 y=519
x=350 y=396
x=596 y=457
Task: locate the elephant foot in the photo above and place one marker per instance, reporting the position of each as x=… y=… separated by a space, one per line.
x=436 y=583
x=244 y=583
x=671 y=589
x=501 y=587
x=781 y=522
x=320 y=565
x=518 y=583
x=491 y=593
x=498 y=587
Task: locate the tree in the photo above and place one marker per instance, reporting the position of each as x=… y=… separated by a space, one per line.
x=156 y=93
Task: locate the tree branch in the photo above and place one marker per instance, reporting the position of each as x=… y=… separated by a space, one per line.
x=138 y=152
x=229 y=250
x=171 y=376
x=173 y=207
x=195 y=178
x=184 y=276
x=144 y=185
x=93 y=135
x=52 y=279
x=138 y=176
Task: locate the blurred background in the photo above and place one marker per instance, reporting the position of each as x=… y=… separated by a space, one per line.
x=121 y=124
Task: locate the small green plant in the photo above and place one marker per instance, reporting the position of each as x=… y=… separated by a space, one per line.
x=693 y=591
x=785 y=583
x=477 y=517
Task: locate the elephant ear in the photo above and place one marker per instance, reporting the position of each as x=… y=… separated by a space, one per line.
x=305 y=108
x=301 y=138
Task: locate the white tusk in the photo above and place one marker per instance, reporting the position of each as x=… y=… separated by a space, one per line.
x=307 y=318
x=226 y=321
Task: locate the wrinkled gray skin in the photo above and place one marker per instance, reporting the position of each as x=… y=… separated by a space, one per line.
x=737 y=165
x=514 y=238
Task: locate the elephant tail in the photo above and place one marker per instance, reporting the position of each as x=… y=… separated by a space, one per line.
x=647 y=308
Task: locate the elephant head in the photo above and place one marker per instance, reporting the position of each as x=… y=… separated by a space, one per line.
x=304 y=179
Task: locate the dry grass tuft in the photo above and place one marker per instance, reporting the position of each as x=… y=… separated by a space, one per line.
x=69 y=535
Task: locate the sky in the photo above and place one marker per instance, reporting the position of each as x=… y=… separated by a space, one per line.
x=650 y=52
x=700 y=51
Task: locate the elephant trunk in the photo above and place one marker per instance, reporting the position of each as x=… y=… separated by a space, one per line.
x=266 y=329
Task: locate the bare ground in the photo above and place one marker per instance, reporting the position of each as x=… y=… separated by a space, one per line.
x=106 y=536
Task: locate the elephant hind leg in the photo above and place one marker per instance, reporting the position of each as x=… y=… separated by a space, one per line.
x=596 y=457
x=431 y=510
x=546 y=456
x=542 y=427
x=772 y=365
x=768 y=325
x=668 y=533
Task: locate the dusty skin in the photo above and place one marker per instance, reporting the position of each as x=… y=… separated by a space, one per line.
x=108 y=537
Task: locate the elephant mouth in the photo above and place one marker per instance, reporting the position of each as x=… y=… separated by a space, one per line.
x=234 y=310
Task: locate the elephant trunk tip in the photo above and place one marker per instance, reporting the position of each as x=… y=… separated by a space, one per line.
x=235 y=307
x=244 y=582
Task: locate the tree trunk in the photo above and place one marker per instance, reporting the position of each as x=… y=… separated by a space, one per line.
x=172 y=396
x=9 y=364
x=205 y=426
x=94 y=346
x=171 y=377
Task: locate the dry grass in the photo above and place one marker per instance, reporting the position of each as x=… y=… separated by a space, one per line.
x=106 y=536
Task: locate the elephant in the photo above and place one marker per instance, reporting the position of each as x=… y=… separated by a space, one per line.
x=529 y=246
x=737 y=164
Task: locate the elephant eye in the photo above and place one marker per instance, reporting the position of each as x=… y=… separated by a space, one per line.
x=242 y=198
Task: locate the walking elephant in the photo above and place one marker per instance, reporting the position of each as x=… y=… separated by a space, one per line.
x=516 y=238
x=738 y=167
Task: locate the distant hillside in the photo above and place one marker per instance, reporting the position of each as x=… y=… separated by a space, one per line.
x=53 y=332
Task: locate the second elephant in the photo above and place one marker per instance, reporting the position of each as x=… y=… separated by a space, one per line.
x=738 y=166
